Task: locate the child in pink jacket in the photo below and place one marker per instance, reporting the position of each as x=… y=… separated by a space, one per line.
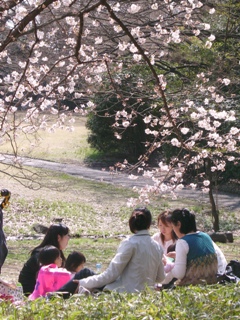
x=51 y=276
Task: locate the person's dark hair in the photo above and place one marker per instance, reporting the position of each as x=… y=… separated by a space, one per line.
x=171 y=248
x=48 y=255
x=187 y=219
x=165 y=218
x=51 y=238
x=74 y=260
x=140 y=219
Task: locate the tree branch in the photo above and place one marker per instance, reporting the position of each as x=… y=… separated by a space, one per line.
x=17 y=31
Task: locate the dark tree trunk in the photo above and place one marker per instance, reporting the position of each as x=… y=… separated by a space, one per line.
x=215 y=212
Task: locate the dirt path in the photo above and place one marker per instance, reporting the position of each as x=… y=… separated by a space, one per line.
x=231 y=201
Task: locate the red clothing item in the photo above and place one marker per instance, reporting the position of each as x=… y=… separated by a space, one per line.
x=50 y=278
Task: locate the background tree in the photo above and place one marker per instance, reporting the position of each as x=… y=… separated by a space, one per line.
x=129 y=140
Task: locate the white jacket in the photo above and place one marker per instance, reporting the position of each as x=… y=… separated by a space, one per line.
x=138 y=263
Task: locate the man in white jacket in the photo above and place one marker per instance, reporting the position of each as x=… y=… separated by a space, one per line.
x=137 y=263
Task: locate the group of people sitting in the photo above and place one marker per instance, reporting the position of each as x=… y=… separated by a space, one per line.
x=178 y=252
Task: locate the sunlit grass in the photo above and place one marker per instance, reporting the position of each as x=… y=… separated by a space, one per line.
x=61 y=146
x=82 y=217
x=199 y=302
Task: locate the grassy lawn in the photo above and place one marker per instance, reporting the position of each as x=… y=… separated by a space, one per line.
x=62 y=145
x=199 y=302
x=97 y=216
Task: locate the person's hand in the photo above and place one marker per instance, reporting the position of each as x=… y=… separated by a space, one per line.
x=77 y=281
x=171 y=254
x=164 y=260
x=158 y=287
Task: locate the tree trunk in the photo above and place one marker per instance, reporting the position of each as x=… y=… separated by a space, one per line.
x=215 y=212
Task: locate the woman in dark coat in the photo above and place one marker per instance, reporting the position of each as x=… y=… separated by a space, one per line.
x=58 y=236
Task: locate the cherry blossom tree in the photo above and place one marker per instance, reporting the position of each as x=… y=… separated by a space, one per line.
x=54 y=49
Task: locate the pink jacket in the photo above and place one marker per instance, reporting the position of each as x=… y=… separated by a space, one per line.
x=50 y=278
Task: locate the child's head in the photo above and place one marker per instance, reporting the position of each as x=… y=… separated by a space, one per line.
x=48 y=255
x=75 y=261
x=165 y=227
x=171 y=248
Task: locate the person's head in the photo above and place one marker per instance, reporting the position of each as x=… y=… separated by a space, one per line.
x=57 y=235
x=165 y=227
x=75 y=261
x=140 y=219
x=171 y=248
x=183 y=221
x=48 y=255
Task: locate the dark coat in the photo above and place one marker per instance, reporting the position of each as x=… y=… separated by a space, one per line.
x=3 y=245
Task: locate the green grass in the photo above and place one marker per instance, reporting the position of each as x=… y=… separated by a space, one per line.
x=199 y=302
